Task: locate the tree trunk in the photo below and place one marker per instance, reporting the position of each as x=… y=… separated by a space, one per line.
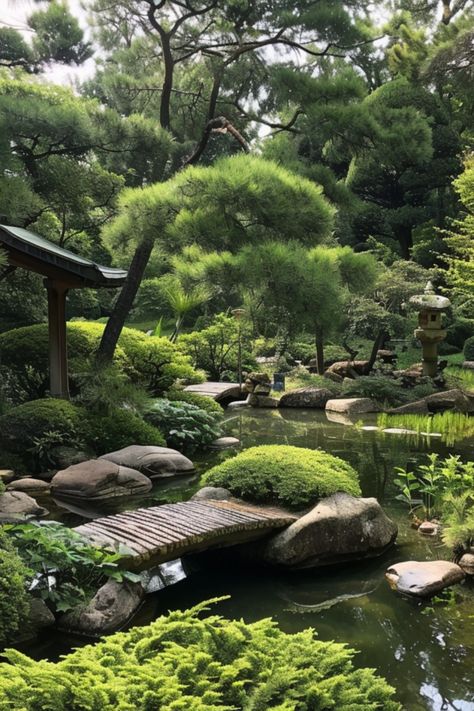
x=165 y=119
x=319 y=351
x=405 y=239
x=378 y=343
x=124 y=302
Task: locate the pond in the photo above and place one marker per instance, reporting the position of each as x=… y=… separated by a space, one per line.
x=426 y=650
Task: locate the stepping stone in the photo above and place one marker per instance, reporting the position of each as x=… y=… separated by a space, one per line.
x=30 y=486
x=225 y=442
x=423 y=579
x=154 y=462
x=352 y=405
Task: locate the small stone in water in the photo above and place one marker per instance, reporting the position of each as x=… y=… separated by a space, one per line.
x=428 y=528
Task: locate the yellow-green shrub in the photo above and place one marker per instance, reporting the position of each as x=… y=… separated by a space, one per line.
x=14 y=604
x=182 y=662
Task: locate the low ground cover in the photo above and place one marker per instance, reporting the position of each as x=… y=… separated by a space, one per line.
x=279 y=474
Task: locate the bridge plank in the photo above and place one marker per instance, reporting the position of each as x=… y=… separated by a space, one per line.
x=160 y=533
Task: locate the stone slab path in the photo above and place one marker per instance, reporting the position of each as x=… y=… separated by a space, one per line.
x=160 y=533
x=218 y=391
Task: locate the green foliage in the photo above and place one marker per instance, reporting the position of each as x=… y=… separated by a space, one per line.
x=444 y=488
x=14 y=604
x=468 y=349
x=215 y=348
x=181 y=661
x=386 y=391
x=77 y=567
x=460 y=239
x=26 y=429
x=301 y=377
x=452 y=426
x=117 y=429
x=184 y=425
x=152 y=363
x=280 y=474
x=202 y=401
x=32 y=430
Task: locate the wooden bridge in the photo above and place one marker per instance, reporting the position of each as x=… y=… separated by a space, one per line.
x=161 y=533
x=220 y=392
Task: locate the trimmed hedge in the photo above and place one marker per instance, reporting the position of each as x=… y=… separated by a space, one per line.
x=30 y=429
x=153 y=362
x=180 y=661
x=202 y=401
x=280 y=474
x=14 y=604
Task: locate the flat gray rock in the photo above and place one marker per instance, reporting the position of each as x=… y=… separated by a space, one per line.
x=110 y=608
x=340 y=528
x=18 y=506
x=30 y=486
x=306 y=397
x=155 y=462
x=99 y=479
x=466 y=563
x=352 y=405
x=225 y=442
x=425 y=578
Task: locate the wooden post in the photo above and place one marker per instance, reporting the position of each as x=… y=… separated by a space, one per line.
x=58 y=375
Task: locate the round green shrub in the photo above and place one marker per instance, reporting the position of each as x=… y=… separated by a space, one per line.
x=469 y=348
x=24 y=424
x=280 y=474
x=153 y=362
x=181 y=661
x=185 y=426
x=202 y=401
x=14 y=605
x=118 y=429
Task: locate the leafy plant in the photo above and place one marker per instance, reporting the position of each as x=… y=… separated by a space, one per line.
x=14 y=604
x=445 y=488
x=468 y=349
x=65 y=569
x=280 y=474
x=181 y=661
x=184 y=425
x=202 y=401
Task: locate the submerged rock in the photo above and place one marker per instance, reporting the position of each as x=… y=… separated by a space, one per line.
x=428 y=528
x=340 y=528
x=110 y=608
x=423 y=579
x=18 y=506
x=155 y=462
x=99 y=479
x=306 y=397
x=352 y=405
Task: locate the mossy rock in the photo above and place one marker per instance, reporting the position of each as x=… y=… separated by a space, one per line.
x=288 y=476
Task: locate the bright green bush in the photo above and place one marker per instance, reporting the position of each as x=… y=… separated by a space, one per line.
x=202 y=401
x=185 y=426
x=152 y=362
x=182 y=662
x=469 y=348
x=280 y=474
x=14 y=604
x=118 y=429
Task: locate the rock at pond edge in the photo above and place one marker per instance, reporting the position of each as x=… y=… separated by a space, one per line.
x=423 y=578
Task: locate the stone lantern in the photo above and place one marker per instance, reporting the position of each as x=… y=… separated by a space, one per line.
x=430 y=330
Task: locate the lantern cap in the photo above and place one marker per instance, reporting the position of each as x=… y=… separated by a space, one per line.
x=429 y=300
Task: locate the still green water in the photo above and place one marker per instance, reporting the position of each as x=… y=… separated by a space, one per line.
x=425 y=650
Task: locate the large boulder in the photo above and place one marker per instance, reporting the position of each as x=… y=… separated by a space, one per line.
x=352 y=405
x=418 y=407
x=18 y=506
x=110 y=608
x=425 y=578
x=306 y=397
x=340 y=528
x=212 y=493
x=155 y=462
x=448 y=400
x=99 y=479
